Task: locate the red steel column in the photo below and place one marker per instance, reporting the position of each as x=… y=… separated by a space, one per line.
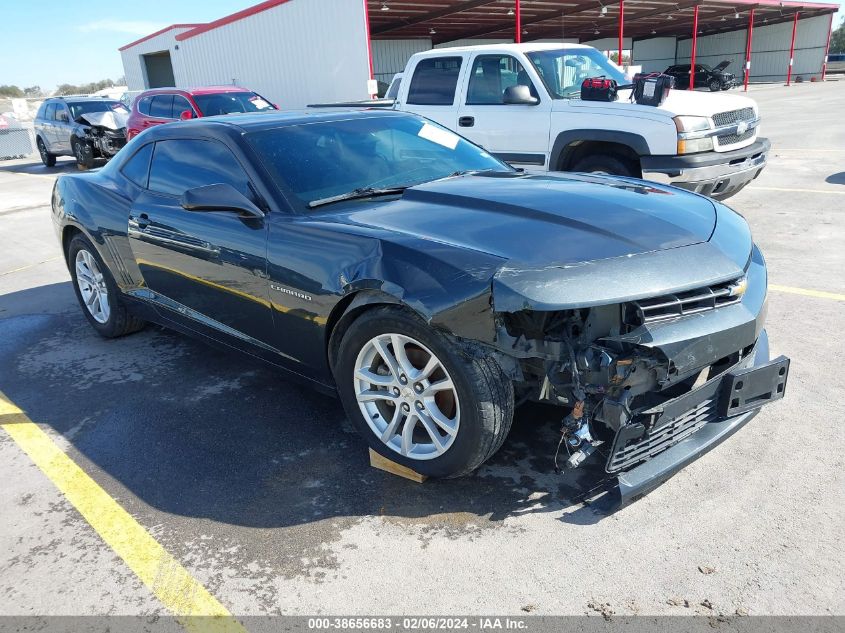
x=694 y=44
x=621 y=32
x=369 y=45
x=518 y=37
x=792 y=49
x=827 y=47
x=748 y=48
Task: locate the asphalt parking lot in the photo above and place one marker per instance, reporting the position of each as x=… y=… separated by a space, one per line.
x=260 y=492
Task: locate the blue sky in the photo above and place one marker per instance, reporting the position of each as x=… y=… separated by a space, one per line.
x=49 y=42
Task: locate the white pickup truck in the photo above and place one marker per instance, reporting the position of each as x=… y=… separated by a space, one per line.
x=522 y=103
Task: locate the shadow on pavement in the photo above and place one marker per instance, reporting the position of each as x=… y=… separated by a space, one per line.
x=198 y=432
x=836 y=179
x=33 y=165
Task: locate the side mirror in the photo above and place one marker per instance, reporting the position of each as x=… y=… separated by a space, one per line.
x=219 y=197
x=186 y=114
x=519 y=95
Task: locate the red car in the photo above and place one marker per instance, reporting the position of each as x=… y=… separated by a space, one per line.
x=163 y=105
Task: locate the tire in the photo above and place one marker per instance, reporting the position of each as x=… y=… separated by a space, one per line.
x=604 y=164
x=479 y=407
x=47 y=158
x=715 y=85
x=113 y=321
x=83 y=152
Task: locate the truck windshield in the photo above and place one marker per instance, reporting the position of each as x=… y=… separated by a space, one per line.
x=232 y=103
x=563 y=70
x=316 y=161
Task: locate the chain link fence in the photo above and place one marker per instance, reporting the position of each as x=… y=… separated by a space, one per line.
x=17 y=135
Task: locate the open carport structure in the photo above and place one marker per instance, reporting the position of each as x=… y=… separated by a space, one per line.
x=781 y=38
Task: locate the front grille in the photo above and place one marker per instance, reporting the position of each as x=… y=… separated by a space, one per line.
x=662 y=437
x=678 y=304
x=733 y=116
x=730 y=139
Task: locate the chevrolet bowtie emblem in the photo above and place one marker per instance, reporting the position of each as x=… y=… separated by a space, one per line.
x=741 y=127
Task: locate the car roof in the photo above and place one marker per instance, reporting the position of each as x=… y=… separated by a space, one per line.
x=203 y=90
x=70 y=99
x=253 y=122
x=529 y=47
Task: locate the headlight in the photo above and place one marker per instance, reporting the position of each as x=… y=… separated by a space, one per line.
x=687 y=126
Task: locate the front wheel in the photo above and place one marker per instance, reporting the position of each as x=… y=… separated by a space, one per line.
x=97 y=292
x=715 y=85
x=418 y=398
x=84 y=154
x=604 y=164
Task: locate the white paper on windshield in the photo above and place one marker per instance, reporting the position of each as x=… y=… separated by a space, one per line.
x=259 y=103
x=648 y=88
x=436 y=135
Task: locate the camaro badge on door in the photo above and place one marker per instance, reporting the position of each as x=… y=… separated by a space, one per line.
x=293 y=293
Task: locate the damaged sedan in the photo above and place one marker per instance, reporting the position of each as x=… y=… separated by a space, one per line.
x=433 y=288
x=87 y=128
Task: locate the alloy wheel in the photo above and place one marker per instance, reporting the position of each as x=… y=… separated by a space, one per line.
x=92 y=286
x=407 y=396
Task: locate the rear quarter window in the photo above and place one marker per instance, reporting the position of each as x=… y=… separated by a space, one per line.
x=435 y=81
x=137 y=168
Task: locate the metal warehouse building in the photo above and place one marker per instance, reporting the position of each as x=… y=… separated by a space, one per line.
x=297 y=52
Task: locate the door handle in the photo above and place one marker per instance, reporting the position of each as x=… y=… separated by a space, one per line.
x=466 y=121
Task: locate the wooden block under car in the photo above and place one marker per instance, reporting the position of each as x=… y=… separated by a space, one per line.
x=389 y=466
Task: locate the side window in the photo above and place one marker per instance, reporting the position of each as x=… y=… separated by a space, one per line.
x=144 y=105
x=491 y=75
x=162 y=107
x=180 y=104
x=434 y=81
x=179 y=165
x=61 y=113
x=50 y=112
x=137 y=168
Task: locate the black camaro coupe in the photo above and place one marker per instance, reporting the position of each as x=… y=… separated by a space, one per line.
x=380 y=256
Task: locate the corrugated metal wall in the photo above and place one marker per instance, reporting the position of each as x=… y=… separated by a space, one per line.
x=655 y=54
x=390 y=56
x=133 y=65
x=294 y=54
x=770 y=49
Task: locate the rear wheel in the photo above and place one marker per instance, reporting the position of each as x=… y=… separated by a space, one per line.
x=97 y=292
x=604 y=164
x=47 y=158
x=417 y=398
x=83 y=152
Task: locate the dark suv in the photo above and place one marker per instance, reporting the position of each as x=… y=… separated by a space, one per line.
x=705 y=77
x=86 y=128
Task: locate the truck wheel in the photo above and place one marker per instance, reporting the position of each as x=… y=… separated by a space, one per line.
x=715 y=85
x=84 y=154
x=418 y=398
x=97 y=292
x=47 y=158
x=603 y=164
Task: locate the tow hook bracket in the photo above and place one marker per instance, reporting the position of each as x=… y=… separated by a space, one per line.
x=747 y=389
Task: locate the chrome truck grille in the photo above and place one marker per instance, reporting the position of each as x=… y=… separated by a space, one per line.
x=731 y=117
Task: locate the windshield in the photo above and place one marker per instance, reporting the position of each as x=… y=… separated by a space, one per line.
x=232 y=103
x=319 y=160
x=87 y=107
x=563 y=70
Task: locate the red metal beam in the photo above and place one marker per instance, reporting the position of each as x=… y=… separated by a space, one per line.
x=622 y=31
x=694 y=44
x=748 y=49
x=518 y=37
x=792 y=49
x=827 y=47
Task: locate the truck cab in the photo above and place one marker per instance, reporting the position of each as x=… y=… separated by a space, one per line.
x=522 y=103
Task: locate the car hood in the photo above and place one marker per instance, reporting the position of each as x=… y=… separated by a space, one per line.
x=681 y=102
x=110 y=120
x=722 y=65
x=545 y=220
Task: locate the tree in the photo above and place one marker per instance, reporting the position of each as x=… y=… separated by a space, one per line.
x=837 y=40
x=10 y=91
x=33 y=91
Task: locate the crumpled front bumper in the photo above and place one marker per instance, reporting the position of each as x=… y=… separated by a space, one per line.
x=638 y=481
x=715 y=174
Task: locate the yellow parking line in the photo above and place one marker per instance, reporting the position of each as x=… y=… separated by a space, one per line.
x=820 y=294
x=27 y=267
x=796 y=190
x=195 y=608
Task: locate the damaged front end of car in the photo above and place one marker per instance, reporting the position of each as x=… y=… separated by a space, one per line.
x=102 y=133
x=643 y=374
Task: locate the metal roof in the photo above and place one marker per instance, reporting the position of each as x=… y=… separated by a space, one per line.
x=459 y=19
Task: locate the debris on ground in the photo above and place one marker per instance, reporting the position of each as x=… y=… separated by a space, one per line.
x=601 y=607
x=706 y=569
x=678 y=602
x=528 y=608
